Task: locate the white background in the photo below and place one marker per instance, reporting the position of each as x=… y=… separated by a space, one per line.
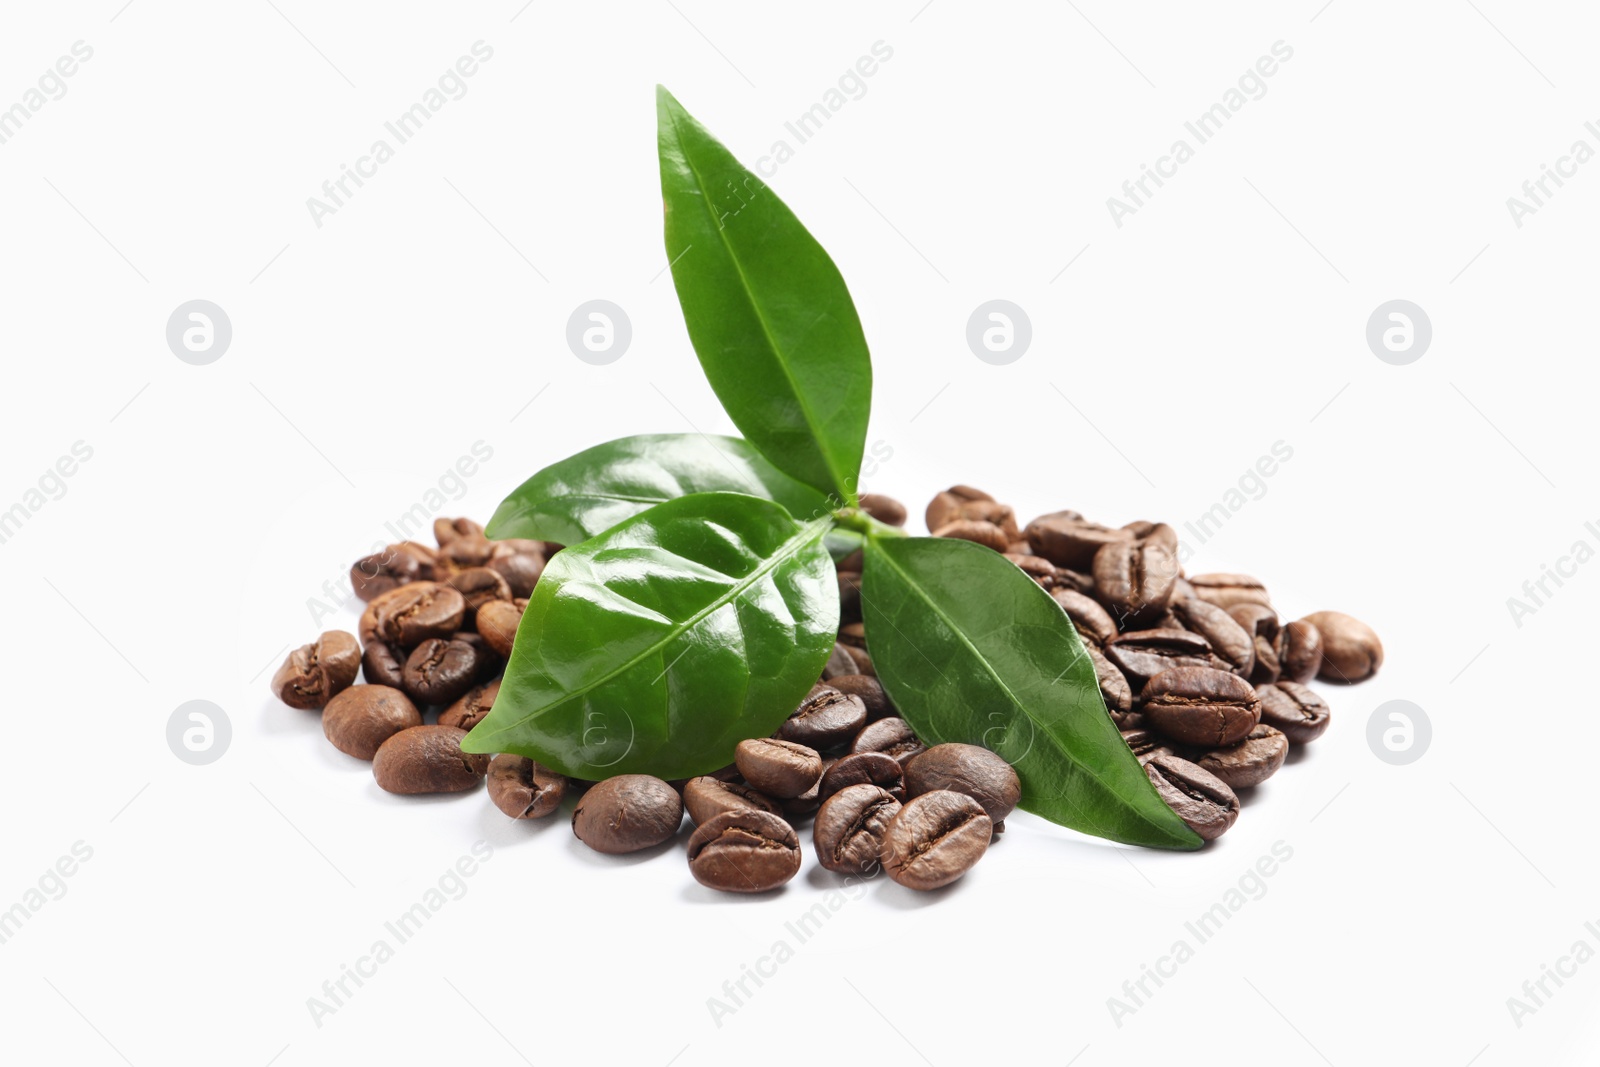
x=425 y=315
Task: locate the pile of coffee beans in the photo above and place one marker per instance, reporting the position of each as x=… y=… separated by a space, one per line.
x=1205 y=682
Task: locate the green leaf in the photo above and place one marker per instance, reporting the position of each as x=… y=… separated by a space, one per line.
x=658 y=646
x=972 y=650
x=588 y=493
x=767 y=310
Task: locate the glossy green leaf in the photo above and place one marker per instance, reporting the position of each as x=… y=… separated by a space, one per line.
x=767 y=310
x=590 y=492
x=972 y=650
x=659 y=645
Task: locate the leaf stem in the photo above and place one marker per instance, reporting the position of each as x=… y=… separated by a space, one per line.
x=862 y=523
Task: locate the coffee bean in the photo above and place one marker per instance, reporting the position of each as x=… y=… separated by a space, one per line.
x=447 y=530
x=1143 y=654
x=1134 y=580
x=469 y=709
x=744 y=851
x=864 y=768
x=779 y=769
x=497 y=622
x=977 y=531
x=314 y=674
x=438 y=670
x=1250 y=762
x=849 y=596
x=1201 y=706
x=397 y=565
x=1076 y=581
x=1182 y=590
x=627 y=813
x=1038 y=568
x=1068 y=540
x=1114 y=687
x=1146 y=744
x=825 y=720
x=1154 y=533
x=707 y=797
x=935 y=839
x=524 y=789
x=1265 y=669
x=490 y=662
x=869 y=690
x=947 y=505
x=807 y=803
x=1200 y=798
x=839 y=663
x=1257 y=620
x=383 y=664
x=363 y=717
x=1351 y=652
x=1092 y=621
x=1228 y=640
x=1294 y=709
x=1299 y=651
x=1226 y=590
x=853 y=635
x=969 y=769
x=851 y=826
x=863 y=661
x=892 y=736
x=885 y=509
x=411 y=614
x=478 y=586
x=427 y=759
x=520 y=563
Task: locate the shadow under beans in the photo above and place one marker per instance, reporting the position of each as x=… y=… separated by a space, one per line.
x=399 y=800
x=588 y=856
x=1297 y=753
x=695 y=893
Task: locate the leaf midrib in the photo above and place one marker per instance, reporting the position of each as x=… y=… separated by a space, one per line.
x=828 y=459
x=809 y=532
x=1015 y=700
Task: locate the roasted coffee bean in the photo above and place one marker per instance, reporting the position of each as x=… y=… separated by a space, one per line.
x=977 y=531
x=970 y=769
x=853 y=562
x=1200 y=798
x=1134 y=580
x=825 y=720
x=1154 y=533
x=886 y=509
x=410 y=614
x=1226 y=590
x=383 y=664
x=520 y=563
x=427 y=759
x=314 y=674
x=869 y=690
x=478 y=586
x=1114 y=687
x=853 y=635
x=497 y=623
x=627 y=813
x=447 y=530
x=839 y=663
x=744 y=851
x=490 y=662
x=1201 y=706
x=851 y=826
x=1143 y=654
x=465 y=552
x=524 y=789
x=948 y=504
x=1351 y=652
x=1182 y=590
x=1257 y=620
x=807 y=803
x=1146 y=744
x=363 y=717
x=707 y=797
x=864 y=768
x=1265 y=669
x=438 y=670
x=780 y=769
x=935 y=839
x=1228 y=640
x=1076 y=581
x=1167 y=621
x=469 y=710
x=1066 y=539
x=1250 y=762
x=863 y=661
x=892 y=736
x=1020 y=548
x=397 y=565
x=849 y=596
x=1294 y=709
x=1299 y=651
x=1038 y=568
x=1092 y=621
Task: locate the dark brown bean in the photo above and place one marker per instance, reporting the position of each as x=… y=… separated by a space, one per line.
x=825 y=720
x=869 y=690
x=478 y=586
x=707 y=797
x=1038 y=568
x=1228 y=640
x=497 y=623
x=427 y=759
x=1299 y=651
x=1066 y=539
x=839 y=663
x=935 y=839
x=1201 y=706
x=314 y=674
x=1351 y=651
x=851 y=826
x=1297 y=711
x=627 y=813
x=849 y=596
x=363 y=717
x=471 y=707
x=1201 y=799
x=779 y=769
x=892 y=736
x=1114 y=687
x=520 y=563
x=410 y=614
x=1143 y=654
x=885 y=509
x=969 y=769
x=397 y=565
x=1134 y=580
x=948 y=505
x=446 y=530
x=524 y=789
x=1226 y=590
x=1093 y=623
x=744 y=851
x=1146 y=744
x=439 y=671
x=864 y=768
x=977 y=531
x=1250 y=762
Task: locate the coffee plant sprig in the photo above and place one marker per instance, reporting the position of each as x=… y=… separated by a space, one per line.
x=697 y=601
